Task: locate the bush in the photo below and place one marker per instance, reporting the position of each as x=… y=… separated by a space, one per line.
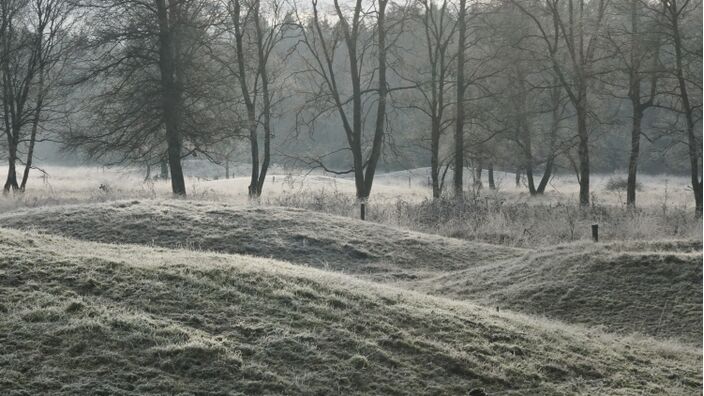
x=620 y=184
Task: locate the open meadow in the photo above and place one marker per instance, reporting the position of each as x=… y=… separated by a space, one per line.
x=108 y=285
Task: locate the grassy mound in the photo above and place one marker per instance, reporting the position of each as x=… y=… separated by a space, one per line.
x=293 y=235
x=81 y=317
x=650 y=287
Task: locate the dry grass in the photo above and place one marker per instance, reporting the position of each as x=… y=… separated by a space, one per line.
x=494 y=219
x=63 y=184
x=83 y=317
x=650 y=287
x=507 y=216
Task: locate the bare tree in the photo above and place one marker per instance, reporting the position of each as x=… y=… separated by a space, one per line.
x=574 y=25
x=556 y=110
x=637 y=52
x=460 y=86
x=687 y=80
x=532 y=100
x=171 y=93
x=321 y=45
x=254 y=77
x=142 y=66
x=439 y=30
x=33 y=43
x=523 y=132
x=14 y=116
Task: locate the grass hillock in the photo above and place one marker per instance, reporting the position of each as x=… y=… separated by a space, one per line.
x=89 y=318
x=294 y=235
x=654 y=288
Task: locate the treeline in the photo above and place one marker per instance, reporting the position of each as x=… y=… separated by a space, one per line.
x=531 y=86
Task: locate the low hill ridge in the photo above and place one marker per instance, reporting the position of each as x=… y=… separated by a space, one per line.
x=654 y=288
x=81 y=317
x=294 y=235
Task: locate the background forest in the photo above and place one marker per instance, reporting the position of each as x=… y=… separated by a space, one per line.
x=530 y=87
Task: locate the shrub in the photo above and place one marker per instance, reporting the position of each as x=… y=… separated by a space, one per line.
x=620 y=184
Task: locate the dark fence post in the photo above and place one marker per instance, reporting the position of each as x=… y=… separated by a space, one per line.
x=595 y=232
x=362 y=210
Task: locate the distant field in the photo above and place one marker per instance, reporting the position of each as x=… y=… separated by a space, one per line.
x=507 y=216
x=80 y=184
x=82 y=317
x=650 y=287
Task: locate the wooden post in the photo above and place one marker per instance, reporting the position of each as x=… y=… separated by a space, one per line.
x=595 y=232
x=362 y=210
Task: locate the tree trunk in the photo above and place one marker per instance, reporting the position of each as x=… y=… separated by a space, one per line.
x=171 y=98
x=33 y=134
x=227 y=168
x=148 y=174
x=459 y=122
x=11 y=181
x=547 y=174
x=354 y=133
x=518 y=177
x=554 y=127
x=528 y=151
x=523 y=131
x=266 y=99
x=164 y=172
x=30 y=156
x=11 y=131
x=583 y=149
x=434 y=158
x=634 y=93
x=531 y=181
x=254 y=152
x=490 y=170
x=633 y=158
x=694 y=161
x=478 y=175
x=28 y=163
x=380 y=127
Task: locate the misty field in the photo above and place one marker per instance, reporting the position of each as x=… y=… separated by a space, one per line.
x=108 y=285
